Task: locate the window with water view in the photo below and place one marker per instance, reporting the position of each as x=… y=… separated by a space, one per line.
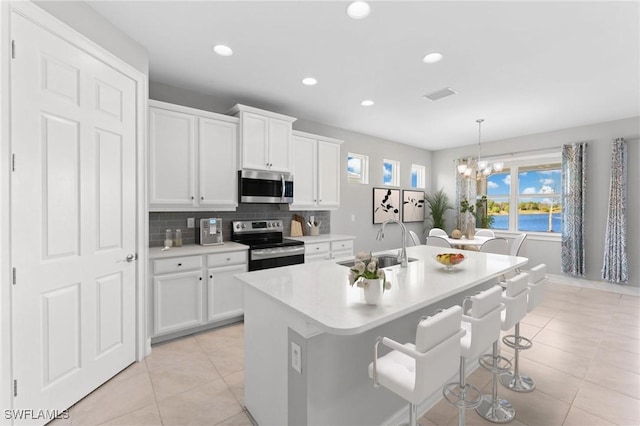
x=535 y=190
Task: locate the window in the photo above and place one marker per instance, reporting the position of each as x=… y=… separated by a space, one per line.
x=539 y=198
x=391 y=172
x=418 y=176
x=498 y=192
x=535 y=189
x=357 y=168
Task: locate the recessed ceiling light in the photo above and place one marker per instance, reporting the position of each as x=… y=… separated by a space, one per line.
x=432 y=58
x=358 y=10
x=222 y=50
x=309 y=81
x=367 y=102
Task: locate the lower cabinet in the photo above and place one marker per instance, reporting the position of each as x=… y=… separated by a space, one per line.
x=334 y=249
x=224 y=296
x=177 y=300
x=182 y=301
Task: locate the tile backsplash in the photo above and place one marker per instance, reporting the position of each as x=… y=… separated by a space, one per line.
x=159 y=222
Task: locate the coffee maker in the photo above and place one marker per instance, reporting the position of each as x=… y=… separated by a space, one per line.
x=210 y=232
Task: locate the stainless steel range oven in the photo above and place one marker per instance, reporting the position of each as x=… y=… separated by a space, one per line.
x=267 y=247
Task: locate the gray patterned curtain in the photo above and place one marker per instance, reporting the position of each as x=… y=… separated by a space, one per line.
x=614 y=266
x=465 y=189
x=574 y=189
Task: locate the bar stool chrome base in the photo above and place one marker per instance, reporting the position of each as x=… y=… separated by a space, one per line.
x=496 y=411
x=517 y=383
x=469 y=397
x=512 y=380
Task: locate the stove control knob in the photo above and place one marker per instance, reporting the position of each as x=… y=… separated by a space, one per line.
x=243 y=226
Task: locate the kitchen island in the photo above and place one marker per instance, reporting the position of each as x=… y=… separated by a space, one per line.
x=309 y=336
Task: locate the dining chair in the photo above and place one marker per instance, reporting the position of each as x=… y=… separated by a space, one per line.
x=414 y=238
x=485 y=233
x=437 y=232
x=438 y=242
x=516 y=245
x=495 y=245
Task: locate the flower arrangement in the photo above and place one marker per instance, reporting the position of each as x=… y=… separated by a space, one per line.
x=366 y=268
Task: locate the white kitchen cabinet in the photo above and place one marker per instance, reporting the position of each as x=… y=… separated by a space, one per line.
x=343 y=248
x=224 y=292
x=192 y=159
x=315 y=252
x=265 y=139
x=177 y=301
x=316 y=172
x=192 y=292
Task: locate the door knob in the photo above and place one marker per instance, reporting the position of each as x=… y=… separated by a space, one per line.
x=131 y=257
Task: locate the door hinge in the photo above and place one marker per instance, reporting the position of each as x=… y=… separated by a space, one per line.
x=13 y=162
x=13 y=49
x=14 y=276
x=15 y=387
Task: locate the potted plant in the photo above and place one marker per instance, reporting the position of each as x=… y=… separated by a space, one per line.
x=438 y=204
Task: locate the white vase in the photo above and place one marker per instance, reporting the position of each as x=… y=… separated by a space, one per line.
x=372 y=290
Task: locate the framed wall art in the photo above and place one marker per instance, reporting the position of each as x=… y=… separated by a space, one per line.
x=413 y=206
x=386 y=204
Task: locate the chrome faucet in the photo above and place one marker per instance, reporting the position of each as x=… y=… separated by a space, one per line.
x=402 y=255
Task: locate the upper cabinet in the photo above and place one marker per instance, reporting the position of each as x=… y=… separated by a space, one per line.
x=316 y=172
x=265 y=139
x=192 y=159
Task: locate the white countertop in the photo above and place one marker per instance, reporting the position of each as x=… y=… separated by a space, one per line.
x=195 y=249
x=322 y=238
x=321 y=294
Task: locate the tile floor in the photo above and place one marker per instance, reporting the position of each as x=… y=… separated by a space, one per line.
x=585 y=360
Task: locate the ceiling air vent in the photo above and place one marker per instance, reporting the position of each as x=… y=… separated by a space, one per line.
x=439 y=94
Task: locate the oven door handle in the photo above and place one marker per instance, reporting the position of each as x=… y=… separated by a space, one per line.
x=261 y=254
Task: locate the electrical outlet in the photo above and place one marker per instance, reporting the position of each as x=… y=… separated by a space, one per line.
x=353 y=217
x=191 y=222
x=296 y=357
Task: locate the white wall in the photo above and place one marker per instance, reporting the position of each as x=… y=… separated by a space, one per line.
x=599 y=137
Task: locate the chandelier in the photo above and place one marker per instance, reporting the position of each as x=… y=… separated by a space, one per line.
x=482 y=167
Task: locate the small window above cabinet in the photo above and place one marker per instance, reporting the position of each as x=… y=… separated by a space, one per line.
x=265 y=139
x=316 y=172
x=192 y=159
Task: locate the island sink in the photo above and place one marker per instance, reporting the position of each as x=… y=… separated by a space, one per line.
x=384 y=261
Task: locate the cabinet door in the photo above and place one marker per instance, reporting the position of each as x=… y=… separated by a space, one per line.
x=171 y=158
x=328 y=174
x=224 y=292
x=177 y=300
x=254 y=141
x=279 y=145
x=217 y=161
x=304 y=170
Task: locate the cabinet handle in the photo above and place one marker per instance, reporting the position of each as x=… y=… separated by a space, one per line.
x=200 y=278
x=228 y=259
x=179 y=264
x=202 y=198
x=210 y=276
x=192 y=197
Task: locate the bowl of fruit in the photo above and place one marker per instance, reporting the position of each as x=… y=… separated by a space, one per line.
x=449 y=260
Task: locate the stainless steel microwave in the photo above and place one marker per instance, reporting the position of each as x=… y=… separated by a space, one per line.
x=265 y=187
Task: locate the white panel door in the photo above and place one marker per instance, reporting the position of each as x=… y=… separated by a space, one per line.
x=172 y=142
x=328 y=174
x=304 y=172
x=279 y=145
x=218 y=170
x=73 y=134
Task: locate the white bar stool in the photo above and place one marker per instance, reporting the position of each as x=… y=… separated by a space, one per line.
x=416 y=371
x=513 y=379
x=493 y=408
x=481 y=320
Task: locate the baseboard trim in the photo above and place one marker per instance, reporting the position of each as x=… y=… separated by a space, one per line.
x=595 y=285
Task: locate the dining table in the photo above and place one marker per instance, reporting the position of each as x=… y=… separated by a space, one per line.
x=464 y=243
